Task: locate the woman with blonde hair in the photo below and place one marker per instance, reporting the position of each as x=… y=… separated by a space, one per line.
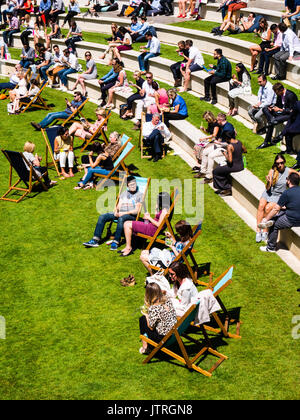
x=159 y=317
x=35 y=161
x=84 y=129
x=19 y=92
x=275 y=186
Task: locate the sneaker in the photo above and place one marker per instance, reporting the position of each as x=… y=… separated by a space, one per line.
x=91 y=244
x=258 y=237
x=114 y=246
x=264 y=236
x=266 y=249
x=109 y=242
x=265 y=224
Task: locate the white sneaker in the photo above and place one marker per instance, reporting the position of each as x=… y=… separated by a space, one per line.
x=64 y=89
x=258 y=237
x=266 y=249
x=265 y=224
x=264 y=236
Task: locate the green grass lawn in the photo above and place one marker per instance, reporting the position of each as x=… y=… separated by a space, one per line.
x=72 y=329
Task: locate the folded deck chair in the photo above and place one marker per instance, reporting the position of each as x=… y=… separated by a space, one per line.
x=36 y=102
x=145 y=149
x=165 y=224
x=174 y=337
x=74 y=117
x=100 y=132
x=114 y=174
x=217 y=287
x=49 y=134
x=28 y=177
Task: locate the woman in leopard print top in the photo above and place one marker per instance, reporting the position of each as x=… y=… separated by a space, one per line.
x=161 y=316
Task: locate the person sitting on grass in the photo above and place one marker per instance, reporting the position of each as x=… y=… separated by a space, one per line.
x=285 y=214
x=127 y=208
x=63 y=150
x=52 y=116
x=160 y=316
x=184 y=289
x=149 y=225
x=84 y=129
x=35 y=161
x=163 y=257
x=276 y=185
x=103 y=164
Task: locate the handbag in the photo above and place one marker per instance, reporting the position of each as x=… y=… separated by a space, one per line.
x=159 y=279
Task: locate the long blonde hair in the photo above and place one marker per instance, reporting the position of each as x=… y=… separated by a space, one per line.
x=154 y=295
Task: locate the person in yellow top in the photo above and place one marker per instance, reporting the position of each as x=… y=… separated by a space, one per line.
x=63 y=150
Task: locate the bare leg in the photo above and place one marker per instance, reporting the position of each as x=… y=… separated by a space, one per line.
x=128 y=237
x=144 y=257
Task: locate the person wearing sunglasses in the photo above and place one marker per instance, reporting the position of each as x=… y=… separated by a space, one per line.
x=285 y=214
x=89 y=74
x=275 y=186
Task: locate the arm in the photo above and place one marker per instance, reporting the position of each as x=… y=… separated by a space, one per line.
x=156 y=222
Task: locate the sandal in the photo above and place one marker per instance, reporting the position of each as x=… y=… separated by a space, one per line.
x=88 y=187
x=143 y=351
x=78 y=187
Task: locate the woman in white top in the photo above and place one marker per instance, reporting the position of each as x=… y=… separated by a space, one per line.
x=21 y=90
x=120 y=86
x=265 y=34
x=183 y=290
x=239 y=85
x=122 y=43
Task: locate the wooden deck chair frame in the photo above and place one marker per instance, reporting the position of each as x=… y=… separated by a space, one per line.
x=174 y=336
x=141 y=139
x=187 y=252
x=99 y=132
x=217 y=286
x=118 y=198
x=17 y=85
x=29 y=184
x=37 y=101
x=111 y=174
x=49 y=151
x=165 y=223
x=71 y=118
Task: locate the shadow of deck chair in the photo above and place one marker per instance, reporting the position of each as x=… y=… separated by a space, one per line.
x=100 y=132
x=29 y=177
x=73 y=117
x=165 y=224
x=143 y=185
x=174 y=337
x=36 y=102
x=185 y=255
x=217 y=286
x=114 y=174
x=145 y=149
x=49 y=134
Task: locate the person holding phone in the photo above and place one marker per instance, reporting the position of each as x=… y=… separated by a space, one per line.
x=63 y=150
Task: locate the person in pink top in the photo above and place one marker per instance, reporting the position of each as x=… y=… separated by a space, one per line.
x=161 y=100
x=149 y=225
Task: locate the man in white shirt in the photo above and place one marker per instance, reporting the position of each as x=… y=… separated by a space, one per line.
x=57 y=65
x=148 y=94
x=153 y=46
x=194 y=62
x=290 y=48
x=71 y=62
x=266 y=97
x=154 y=133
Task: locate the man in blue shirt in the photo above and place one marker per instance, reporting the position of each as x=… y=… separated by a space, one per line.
x=52 y=116
x=278 y=218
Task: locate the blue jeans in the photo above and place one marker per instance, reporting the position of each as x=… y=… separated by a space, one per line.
x=8 y=36
x=7 y=85
x=92 y=171
x=52 y=116
x=63 y=75
x=109 y=217
x=143 y=60
x=43 y=71
x=293 y=21
x=25 y=63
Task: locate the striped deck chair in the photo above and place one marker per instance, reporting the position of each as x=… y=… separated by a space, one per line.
x=114 y=174
x=29 y=177
x=100 y=132
x=217 y=287
x=36 y=102
x=174 y=337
